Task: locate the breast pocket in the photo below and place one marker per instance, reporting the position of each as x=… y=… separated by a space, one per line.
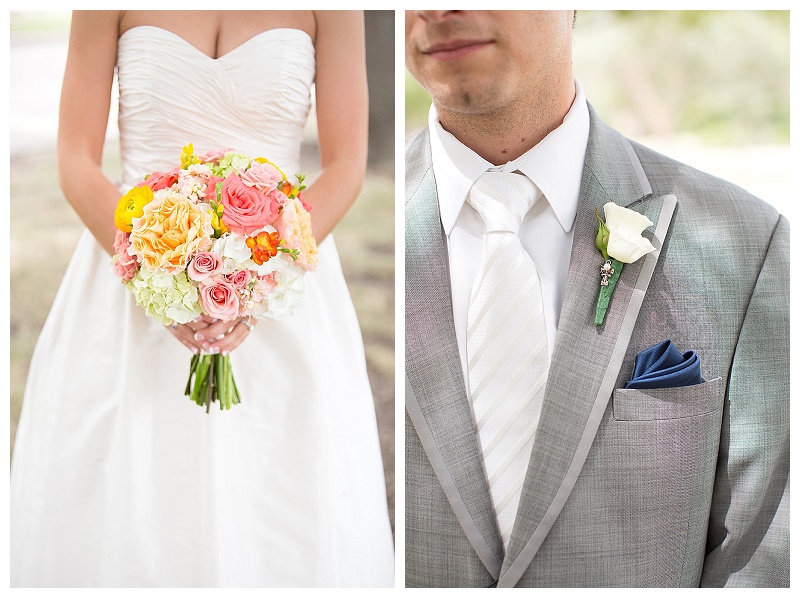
x=667 y=403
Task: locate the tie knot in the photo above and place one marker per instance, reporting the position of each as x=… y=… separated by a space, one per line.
x=502 y=199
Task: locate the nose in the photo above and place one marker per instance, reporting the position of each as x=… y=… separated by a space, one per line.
x=434 y=15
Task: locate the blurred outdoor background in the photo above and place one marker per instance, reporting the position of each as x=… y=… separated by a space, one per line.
x=708 y=88
x=42 y=218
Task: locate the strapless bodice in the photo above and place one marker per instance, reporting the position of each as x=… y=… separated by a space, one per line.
x=254 y=99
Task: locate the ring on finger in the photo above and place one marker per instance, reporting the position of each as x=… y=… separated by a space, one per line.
x=247 y=324
x=174 y=325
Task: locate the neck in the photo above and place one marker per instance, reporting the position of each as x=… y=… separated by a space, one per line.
x=507 y=133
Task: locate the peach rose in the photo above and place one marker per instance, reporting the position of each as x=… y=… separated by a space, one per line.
x=171 y=230
x=220 y=300
x=294 y=226
x=246 y=208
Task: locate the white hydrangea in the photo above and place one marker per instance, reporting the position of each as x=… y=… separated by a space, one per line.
x=233 y=250
x=289 y=286
x=166 y=298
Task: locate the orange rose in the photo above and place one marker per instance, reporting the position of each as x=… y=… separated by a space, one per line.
x=170 y=231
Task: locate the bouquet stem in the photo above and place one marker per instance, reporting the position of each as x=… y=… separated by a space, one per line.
x=210 y=380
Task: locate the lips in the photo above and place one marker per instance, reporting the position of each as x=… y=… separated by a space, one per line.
x=455 y=49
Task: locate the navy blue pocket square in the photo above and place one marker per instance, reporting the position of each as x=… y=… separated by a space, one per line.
x=663 y=366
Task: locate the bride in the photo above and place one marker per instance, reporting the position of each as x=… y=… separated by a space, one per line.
x=117 y=478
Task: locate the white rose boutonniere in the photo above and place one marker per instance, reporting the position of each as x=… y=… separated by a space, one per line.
x=620 y=241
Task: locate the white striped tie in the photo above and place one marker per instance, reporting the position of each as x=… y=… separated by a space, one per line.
x=507 y=350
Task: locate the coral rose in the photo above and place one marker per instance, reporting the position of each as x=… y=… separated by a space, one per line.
x=171 y=230
x=161 y=180
x=220 y=300
x=246 y=208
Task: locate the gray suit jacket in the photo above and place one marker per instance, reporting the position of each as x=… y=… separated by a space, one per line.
x=668 y=487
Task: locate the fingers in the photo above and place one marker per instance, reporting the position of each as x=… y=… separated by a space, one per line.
x=185 y=334
x=231 y=340
x=215 y=331
x=208 y=335
x=222 y=337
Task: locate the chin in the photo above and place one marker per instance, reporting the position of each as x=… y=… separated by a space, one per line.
x=467 y=101
x=468 y=94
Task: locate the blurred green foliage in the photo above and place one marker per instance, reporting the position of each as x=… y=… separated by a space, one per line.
x=29 y=23
x=720 y=75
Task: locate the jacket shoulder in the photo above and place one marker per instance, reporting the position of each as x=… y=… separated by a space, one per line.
x=702 y=192
x=418 y=161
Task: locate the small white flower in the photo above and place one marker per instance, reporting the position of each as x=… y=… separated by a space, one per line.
x=233 y=246
x=625 y=240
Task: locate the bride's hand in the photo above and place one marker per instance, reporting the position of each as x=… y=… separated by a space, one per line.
x=209 y=335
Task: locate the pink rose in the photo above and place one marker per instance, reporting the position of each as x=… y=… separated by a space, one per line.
x=213 y=157
x=161 y=180
x=265 y=177
x=246 y=209
x=220 y=300
x=124 y=266
x=204 y=265
x=239 y=279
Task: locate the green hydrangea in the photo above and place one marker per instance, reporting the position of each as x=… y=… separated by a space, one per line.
x=231 y=162
x=166 y=298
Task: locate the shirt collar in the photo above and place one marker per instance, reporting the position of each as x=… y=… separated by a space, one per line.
x=555 y=165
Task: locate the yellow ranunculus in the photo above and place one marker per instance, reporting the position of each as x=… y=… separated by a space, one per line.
x=130 y=206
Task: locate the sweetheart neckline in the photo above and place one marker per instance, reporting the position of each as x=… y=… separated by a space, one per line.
x=229 y=52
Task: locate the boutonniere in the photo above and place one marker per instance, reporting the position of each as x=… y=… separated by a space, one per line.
x=620 y=241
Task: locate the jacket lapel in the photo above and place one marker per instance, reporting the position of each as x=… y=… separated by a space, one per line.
x=586 y=358
x=436 y=398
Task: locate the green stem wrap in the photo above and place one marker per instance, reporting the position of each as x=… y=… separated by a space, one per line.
x=604 y=297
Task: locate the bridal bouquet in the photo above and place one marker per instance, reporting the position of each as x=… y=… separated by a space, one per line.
x=221 y=234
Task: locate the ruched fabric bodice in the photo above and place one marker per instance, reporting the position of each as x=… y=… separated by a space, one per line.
x=254 y=99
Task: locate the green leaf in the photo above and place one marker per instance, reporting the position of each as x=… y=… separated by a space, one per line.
x=601 y=240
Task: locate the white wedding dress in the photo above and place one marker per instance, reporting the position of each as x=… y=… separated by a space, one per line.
x=120 y=480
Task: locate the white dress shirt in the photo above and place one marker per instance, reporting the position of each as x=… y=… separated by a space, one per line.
x=555 y=165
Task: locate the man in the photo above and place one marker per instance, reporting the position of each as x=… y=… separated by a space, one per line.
x=676 y=482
